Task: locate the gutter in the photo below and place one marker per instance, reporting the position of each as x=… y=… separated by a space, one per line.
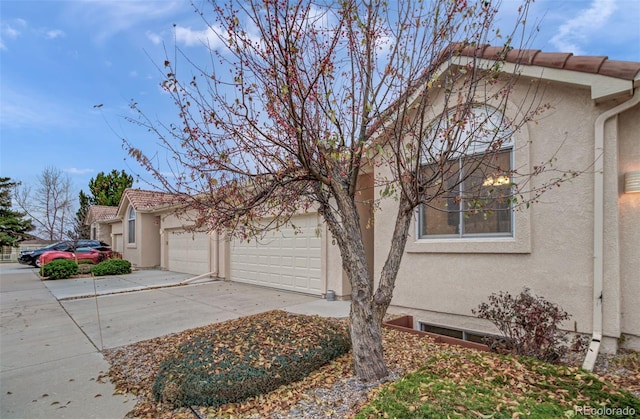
x=598 y=228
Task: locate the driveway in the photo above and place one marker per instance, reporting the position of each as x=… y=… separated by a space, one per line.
x=52 y=332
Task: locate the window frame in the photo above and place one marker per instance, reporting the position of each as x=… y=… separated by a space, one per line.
x=489 y=117
x=131 y=226
x=420 y=216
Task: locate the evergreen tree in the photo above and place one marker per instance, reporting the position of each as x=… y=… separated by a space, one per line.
x=80 y=229
x=106 y=189
x=13 y=227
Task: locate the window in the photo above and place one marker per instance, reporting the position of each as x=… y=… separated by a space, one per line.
x=131 y=224
x=473 y=186
x=454 y=333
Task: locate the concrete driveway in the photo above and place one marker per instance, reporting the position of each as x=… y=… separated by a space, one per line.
x=52 y=332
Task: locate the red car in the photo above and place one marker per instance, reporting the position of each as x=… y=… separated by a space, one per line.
x=95 y=256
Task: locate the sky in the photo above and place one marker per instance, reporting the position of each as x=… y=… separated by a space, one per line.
x=70 y=69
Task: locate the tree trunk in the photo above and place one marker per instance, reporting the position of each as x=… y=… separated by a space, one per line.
x=366 y=340
x=367 y=308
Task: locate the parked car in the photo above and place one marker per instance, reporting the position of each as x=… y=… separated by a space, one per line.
x=81 y=253
x=32 y=256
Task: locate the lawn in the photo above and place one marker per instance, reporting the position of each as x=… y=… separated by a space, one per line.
x=437 y=380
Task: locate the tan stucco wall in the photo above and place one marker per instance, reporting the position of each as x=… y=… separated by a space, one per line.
x=148 y=241
x=145 y=252
x=117 y=239
x=131 y=251
x=102 y=232
x=440 y=281
x=629 y=217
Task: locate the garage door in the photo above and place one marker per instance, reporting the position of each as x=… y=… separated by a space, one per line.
x=188 y=252
x=283 y=259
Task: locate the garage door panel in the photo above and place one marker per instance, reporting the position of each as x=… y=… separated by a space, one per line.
x=188 y=252
x=283 y=260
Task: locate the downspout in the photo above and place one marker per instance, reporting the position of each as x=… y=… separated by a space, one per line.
x=598 y=227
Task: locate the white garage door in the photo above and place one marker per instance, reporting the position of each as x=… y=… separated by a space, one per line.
x=283 y=259
x=188 y=252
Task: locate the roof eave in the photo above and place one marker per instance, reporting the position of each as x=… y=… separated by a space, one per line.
x=602 y=87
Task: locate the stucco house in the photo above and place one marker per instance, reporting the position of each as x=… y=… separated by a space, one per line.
x=152 y=230
x=97 y=220
x=579 y=246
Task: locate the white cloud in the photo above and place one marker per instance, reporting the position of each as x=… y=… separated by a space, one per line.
x=8 y=31
x=76 y=171
x=190 y=37
x=108 y=17
x=54 y=33
x=154 y=37
x=575 y=31
x=133 y=73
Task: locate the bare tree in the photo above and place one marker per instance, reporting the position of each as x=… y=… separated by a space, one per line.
x=319 y=94
x=49 y=204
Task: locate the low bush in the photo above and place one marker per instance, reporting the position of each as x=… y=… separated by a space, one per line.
x=249 y=357
x=529 y=325
x=85 y=262
x=112 y=267
x=60 y=269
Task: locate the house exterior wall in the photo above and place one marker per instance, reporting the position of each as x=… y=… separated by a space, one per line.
x=629 y=229
x=131 y=251
x=101 y=231
x=117 y=239
x=441 y=280
x=145 y=252
x=148 y=241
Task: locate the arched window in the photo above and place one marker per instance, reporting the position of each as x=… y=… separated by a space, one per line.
x=474 y=185
x=131 y=225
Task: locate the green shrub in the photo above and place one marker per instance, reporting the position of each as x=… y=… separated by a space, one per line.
x=60 y=269
x=112 y=267
x=249 y=357
x=85 y=262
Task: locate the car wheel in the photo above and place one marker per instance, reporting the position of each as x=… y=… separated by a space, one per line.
x=37 y=263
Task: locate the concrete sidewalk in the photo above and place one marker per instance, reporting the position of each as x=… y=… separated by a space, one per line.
x=50 y=350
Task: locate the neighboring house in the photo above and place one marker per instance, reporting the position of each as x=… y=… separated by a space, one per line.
x=578 y=247
x=98 y=228
x=10 y=253
x=152 y=230
x=137 y=231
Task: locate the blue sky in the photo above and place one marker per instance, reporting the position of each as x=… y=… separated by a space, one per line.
x=58 y=59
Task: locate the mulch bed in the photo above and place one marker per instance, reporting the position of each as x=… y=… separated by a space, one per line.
x=331 y=391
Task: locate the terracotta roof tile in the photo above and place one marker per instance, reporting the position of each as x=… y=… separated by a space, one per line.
x=625 y=70
x=101 y=212
x=141 y=199
x=584 y=64
x=551 y=59
x=522 y=56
